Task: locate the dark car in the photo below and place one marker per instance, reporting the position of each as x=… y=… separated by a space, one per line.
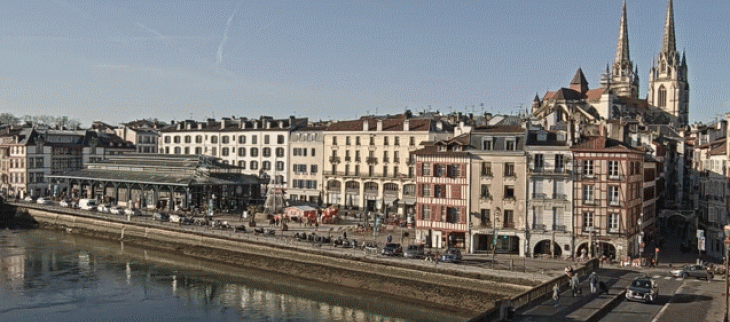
x=161 y=216
x=642 y=289
x=414 y=251
x=451 y=255
x=392 y=249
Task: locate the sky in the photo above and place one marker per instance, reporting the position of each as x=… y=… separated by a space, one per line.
x=118 y=61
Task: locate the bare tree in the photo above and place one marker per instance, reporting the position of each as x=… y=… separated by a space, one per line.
x=9 y=119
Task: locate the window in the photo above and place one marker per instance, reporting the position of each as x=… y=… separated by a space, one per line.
x=425 y=169
x=484 y=217
x=613 y=223
x=588 y=168
x=613 y=169
x=313 y=168
x=224 y=152
x=187 y=150
x=439 y=191
x=254 y=152
x=559 y=162
x=213 y=139
x=213 y=151
x=412 y=141
x=224 y=139
x=452 y=215
x=426 y=212
x=177 y=150
x=334 y=140
x=509 y=192
x=510 y=145
x=509 y=169
x=242 y=139
x=487 y=143
x=279 y=165
x=588 y=194
x=266 y=139
x=372 y=140
x=425 y=190
x=453 y=171
x=167 y=139
x=187 y=139
x=279 y=139
x=305 y=152
x=357 y=140
x=385 y=140
x=588 y=221
x=662 y=97
x=254 y=165
x=241 y=152
x=266 y=152
x=539 y=161
x=438 y=170
x=357 y=169
x=266 y=165
x=509 y=218
x=486 y=169
x=198 y=150
x=485 y=192
x=396 y=141
x=254 y=139
x=613 y=196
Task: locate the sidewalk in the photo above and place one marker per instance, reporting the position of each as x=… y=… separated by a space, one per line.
x=583 y=307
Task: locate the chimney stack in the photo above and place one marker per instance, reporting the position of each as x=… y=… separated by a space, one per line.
x=406 y=125
x=380 y=125
x=365 y=125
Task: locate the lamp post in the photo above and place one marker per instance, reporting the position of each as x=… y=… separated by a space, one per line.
x=726 y=243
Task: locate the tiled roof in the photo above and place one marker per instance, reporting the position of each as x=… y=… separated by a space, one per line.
x=600 y=143
x=500 y=129
x=392 y=124
x=719 y=150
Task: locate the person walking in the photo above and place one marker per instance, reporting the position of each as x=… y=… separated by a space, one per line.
x=575 y=285
x=556 y=295
x=593 y=281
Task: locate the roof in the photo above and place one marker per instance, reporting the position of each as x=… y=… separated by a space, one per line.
x=551 y=139
x=392 y=124
x=599 y=143
x=719 y=150
x=146 y=177
x=500 y=129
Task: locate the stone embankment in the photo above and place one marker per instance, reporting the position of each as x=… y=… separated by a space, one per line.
x=461 y=292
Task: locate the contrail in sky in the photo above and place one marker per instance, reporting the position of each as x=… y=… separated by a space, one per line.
x=159 y=35
x=225 y=37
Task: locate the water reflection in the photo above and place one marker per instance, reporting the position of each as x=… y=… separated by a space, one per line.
x=54 y=276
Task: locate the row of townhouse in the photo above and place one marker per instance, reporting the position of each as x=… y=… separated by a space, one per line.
x=529 y=191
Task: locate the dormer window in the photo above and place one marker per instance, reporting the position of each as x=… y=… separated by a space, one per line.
x=542 y=136
x=488 y=143
x=510 y=144
x=442 y=148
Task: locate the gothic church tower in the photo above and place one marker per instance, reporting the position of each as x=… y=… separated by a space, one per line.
x=624 y=77
x=668 y=86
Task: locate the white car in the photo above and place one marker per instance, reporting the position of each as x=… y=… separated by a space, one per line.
x=116 y=210
x=104 y=208
x=28 y=199
x=65 y=204
x=131 y=212
x=43 y=201
x=175 y=218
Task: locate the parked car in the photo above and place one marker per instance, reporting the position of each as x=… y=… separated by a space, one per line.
x=132 y=212
x=392 y=249
x=116 y=210
x=104 y=208
x=451 y=255
x=696 y=271
x=414 y=251
x=87 y=204
x=175 y=218
x=642 y=289
x=28 y=199
x=160 y=216
x=65 y=204
x=43 y=201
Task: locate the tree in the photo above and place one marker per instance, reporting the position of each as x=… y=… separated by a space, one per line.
x=9 y=119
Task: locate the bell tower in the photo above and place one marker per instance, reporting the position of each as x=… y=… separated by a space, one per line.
x=624 y=78
x=668 y=85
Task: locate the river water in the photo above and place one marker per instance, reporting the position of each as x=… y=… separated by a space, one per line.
x=48 y=275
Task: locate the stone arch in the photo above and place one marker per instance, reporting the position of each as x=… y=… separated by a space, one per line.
x=543 y=247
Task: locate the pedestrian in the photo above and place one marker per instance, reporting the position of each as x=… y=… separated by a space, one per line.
x=556 y=294
x=575 y=285
x=569 y=271
x=344 y=235
x=593 y=281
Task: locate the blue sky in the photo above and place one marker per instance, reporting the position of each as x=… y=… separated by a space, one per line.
x=118 y=61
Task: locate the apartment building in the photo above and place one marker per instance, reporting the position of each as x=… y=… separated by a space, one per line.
x=30 y=155
x=368 y=164
x=306 y=153
x=498 y=189
x=549 y=191
x=258 y=146
x=143 y=133
x=442 y=189
x=608 y=202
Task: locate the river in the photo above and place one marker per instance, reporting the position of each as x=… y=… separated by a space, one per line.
x=48 y=275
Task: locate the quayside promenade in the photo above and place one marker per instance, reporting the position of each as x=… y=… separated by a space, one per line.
x=467 y=289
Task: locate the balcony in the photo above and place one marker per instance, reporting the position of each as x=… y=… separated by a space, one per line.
x=357 y=159
x=334 y=159
x=347 y=159
x=614 y=203
x=613 y=230
x=386 y=160
x=537 y=170
x=560 y=196
x=487 y=174
x=538 y=227
x=510 y=225
x=486 y=197
x=372 y=160
x=396 y=160
x=589 y=201
x=484 y=225
x=588 y=176
x=559 y=227
x=615 y=177
x=539 y=196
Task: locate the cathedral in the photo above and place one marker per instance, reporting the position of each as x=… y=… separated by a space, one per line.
x=617 y=98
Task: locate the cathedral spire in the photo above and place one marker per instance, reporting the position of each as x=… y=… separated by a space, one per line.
x=668 y=41
x=622 y=46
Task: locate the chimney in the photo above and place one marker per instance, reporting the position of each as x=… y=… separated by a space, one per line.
x=268 y=124
x=406 y=125
x=255 y=125
x=380 y=125
x=223 y=124
x=365 y=125
x=281 y=124
x=200 y=126
x=439 y=125
x=188 y=125
x=178 y=126
x=243 y=125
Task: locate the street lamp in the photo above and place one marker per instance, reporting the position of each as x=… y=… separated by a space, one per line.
x=726 y=243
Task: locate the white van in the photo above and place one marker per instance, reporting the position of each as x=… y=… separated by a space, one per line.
x=87 y=204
